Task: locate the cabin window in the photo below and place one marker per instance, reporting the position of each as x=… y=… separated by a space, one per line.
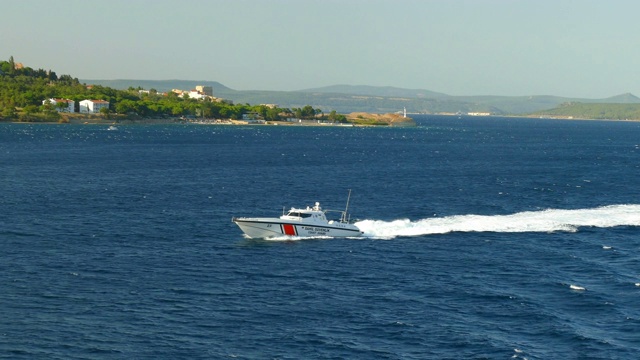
x=302 y=215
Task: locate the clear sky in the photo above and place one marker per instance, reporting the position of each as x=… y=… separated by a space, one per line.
x=573 y=48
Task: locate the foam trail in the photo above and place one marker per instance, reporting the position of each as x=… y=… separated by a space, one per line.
x=529 y=221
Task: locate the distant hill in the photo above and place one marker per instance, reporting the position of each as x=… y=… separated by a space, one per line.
x=160 y=85
x=600 y=111
x=385 y=91
x=627 y=98
x=373 y=99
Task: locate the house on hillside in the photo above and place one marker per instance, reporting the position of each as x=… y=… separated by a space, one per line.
x=201 y=92
x=93 y=106
x=69 y=105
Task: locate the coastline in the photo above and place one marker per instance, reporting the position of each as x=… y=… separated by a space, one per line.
x=353 y=119
x=99 y=120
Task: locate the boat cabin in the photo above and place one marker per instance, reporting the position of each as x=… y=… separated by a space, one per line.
x=310 y=213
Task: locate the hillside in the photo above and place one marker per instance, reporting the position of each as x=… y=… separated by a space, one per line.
x=374 y=99
x=159 y=85
x=594 y=111
x=627 y=98
x=38 y=95
x=384 y=91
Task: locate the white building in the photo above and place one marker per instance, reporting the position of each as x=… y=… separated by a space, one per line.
x=205 y=90
x=93 y=106
x=70 y=104
x=195 y=94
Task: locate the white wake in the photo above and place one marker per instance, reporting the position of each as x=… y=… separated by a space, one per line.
x=549 y=220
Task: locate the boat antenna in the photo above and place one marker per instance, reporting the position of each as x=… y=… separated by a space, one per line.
x=346 y=209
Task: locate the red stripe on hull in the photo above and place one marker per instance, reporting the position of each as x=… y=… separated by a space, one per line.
x=289 y=229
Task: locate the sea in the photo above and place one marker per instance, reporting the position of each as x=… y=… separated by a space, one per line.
x=484 y=238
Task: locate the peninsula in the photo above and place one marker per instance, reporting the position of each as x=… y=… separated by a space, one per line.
x=30 y=95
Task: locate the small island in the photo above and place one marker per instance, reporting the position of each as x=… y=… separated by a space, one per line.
x=394 y=119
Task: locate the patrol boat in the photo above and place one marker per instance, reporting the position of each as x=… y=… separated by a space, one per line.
x=303 y=222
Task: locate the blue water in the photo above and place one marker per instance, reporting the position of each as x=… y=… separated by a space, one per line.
x=487 y=238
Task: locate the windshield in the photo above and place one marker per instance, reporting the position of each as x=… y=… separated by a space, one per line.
x=297 y=214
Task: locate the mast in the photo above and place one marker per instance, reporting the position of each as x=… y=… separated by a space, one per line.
x=346 y=209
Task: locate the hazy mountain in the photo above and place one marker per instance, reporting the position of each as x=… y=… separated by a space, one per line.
x=160 y=85
x=627 y=98
x=375 y=99
x=385 y=91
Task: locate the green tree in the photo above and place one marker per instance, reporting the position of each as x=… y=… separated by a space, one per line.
x=47 y=106
x=335 y=117
x=12 y=66
x=51 y=75
x=5 y=67
x=105 y=111
x=52 y=115
x=177 y=109
x=307 y=112
x=9 y=112
x=30 y=109
x=272 y=114
x=225 y=113
x=125 y=106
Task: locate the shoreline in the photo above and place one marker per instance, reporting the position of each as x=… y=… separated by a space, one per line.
x=92 y=120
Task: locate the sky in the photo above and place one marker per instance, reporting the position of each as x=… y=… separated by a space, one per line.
x=571 y=48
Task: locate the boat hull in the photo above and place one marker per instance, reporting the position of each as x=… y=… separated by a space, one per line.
x=266 y=228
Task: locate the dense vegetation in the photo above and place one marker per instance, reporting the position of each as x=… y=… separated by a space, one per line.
x=23 y=90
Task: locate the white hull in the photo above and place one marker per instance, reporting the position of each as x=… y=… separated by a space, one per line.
x=302 y=222
x=272 y=227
